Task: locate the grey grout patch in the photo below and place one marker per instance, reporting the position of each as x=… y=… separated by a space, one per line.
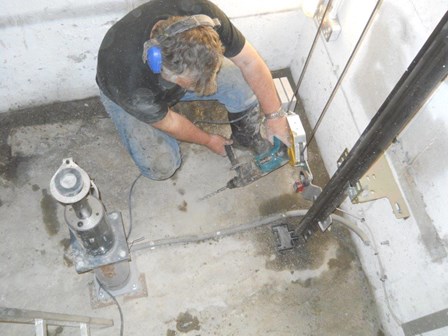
x=49 y=213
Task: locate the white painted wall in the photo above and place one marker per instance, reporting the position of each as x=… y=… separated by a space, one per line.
x=49 y=50
x=414 y=251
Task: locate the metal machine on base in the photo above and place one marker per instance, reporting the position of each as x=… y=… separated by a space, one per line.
x=98 y=240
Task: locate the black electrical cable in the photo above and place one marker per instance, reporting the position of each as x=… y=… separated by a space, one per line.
x=219 y=122
x=130 y=206
x=118 y=306
x=341 y=77
x=127 y=236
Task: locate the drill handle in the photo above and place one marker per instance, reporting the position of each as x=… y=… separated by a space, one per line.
x=231 y=155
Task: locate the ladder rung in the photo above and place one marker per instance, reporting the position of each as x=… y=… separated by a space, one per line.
x=42 y=319
x=41 y=327
x=85 y=329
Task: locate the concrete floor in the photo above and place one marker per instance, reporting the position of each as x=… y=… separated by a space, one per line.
x=237 y=285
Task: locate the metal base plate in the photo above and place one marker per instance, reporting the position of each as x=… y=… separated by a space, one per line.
x=134 y=289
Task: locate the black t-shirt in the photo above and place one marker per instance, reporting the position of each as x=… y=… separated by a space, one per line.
x=121 y=73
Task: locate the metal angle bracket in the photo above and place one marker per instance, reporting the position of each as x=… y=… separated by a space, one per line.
x=325 y=224
x=378 y=182
x=322 y=224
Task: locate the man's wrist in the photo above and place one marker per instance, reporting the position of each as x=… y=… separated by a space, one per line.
x=280 y=113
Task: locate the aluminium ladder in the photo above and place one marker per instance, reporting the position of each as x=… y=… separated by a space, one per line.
x=42 y=319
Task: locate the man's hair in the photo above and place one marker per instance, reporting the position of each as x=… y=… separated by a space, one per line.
x=195 y=53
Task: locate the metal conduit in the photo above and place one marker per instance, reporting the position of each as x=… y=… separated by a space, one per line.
x=423 y=76
x=225 y=232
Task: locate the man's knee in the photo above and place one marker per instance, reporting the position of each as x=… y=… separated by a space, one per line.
x=156 y=154
x=161 y=168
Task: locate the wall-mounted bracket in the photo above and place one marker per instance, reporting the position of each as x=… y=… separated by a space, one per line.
x=331 y=29
x=378 y=182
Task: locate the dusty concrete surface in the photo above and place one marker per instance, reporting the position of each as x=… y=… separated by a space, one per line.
x=237 y=285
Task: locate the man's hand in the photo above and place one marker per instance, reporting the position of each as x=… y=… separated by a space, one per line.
x=216 y=144
x=183 y=129
x=258 y=76
x=278 y=128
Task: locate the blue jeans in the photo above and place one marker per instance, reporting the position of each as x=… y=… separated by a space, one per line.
x=156 y=154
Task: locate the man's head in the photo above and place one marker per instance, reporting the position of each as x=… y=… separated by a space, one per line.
x=191 y=58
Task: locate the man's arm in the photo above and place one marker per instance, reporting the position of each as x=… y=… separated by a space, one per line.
x=183 y=129
x=258 y=76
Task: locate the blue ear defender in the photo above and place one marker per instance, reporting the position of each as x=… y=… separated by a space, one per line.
x=154 y=59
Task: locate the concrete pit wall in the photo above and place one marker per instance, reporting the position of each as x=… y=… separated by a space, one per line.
x=409 y=273
x=49 y=48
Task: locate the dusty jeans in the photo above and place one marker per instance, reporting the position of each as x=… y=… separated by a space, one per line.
x=157 y=154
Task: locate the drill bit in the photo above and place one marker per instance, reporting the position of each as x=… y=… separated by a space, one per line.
x=213 y=193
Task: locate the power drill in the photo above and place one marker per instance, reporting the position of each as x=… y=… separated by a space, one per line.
x=262 y=165
x=278 y=155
